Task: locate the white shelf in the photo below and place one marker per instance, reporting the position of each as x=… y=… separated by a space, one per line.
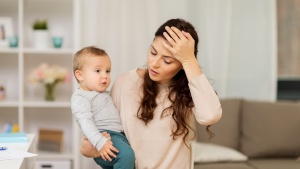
x=24 y=104
x=7 y=103
x=9 y=50
x=48 y=51
x=43 y=104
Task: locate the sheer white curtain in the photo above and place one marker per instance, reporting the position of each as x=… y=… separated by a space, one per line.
x=237 y=48
x=252 y=63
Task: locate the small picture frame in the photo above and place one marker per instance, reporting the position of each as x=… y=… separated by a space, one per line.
x=2 y=89
x=6 y=31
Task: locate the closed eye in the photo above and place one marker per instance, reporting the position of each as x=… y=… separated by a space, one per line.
x=167 y=62
x=153 y=53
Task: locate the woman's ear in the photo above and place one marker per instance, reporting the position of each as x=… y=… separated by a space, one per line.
x=78 y=75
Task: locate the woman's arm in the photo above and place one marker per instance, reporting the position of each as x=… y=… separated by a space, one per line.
x=88 y=150
x=207 y=104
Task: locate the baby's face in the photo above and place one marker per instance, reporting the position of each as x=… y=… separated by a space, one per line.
x=96 y=74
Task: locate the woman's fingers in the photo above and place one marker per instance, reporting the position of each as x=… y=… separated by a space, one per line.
x=178 y=33
x=176 y=37
x=172 y=34
x=169 y=39
x=179 y=43
x=188 y=36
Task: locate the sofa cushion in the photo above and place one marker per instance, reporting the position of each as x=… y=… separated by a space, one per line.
x=227 y=129
x=209 y=152
x=224 y=165
x=275 y=163
x=270 y=129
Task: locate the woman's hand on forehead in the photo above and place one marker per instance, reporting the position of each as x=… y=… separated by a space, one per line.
x=180 y=44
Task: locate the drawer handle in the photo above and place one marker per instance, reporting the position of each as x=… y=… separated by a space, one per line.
x=46 y=166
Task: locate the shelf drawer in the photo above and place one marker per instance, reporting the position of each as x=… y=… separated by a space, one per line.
x=52 y=164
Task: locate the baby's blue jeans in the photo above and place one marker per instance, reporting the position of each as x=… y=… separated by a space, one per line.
x=125 y=158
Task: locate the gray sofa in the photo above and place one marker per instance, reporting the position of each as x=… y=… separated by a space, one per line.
x=267 y=133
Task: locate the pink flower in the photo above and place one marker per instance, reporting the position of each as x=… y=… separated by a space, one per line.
x=49 y=74
x=69 y=78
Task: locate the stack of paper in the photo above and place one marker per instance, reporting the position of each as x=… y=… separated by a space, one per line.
x=10 y=154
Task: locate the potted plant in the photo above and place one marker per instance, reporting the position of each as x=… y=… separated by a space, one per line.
x=40 y=25
x=41 y=36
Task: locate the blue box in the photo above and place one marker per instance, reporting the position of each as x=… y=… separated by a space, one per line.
x=13 y=137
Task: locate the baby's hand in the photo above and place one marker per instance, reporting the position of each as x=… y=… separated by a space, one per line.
x=107 y=151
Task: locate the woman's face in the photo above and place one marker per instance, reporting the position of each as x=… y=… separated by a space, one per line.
x=162 y=65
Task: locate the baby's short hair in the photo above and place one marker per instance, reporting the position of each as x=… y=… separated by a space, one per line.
x=83 y=54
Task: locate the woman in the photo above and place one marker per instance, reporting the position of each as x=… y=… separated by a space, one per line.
x=157 y=104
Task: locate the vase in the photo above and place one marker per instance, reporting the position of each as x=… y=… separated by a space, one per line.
x=57 y=41
x=50 y=92
x=41 y=39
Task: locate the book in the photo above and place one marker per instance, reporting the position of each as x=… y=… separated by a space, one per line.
x=13 y=137
x=50 y=140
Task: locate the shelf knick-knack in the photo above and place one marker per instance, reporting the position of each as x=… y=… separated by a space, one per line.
x=2 y=92
x=41 y=35
x=49 y=76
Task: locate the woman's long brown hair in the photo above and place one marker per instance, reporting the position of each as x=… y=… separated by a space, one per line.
x=179 y=95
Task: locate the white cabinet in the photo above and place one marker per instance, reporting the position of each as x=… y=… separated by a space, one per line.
x=53 y=164
x=24 y=102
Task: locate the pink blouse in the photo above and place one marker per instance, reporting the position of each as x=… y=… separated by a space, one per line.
x=153 y=144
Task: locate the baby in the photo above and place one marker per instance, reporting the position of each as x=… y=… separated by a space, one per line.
x=95 y=111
